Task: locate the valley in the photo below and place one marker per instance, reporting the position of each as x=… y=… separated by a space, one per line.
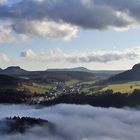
x=55 y=86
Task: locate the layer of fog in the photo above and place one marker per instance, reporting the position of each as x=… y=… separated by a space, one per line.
x=75 y=122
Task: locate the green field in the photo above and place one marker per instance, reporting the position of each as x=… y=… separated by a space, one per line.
x=127 y=87
x=71 y=82
x=40 y=89
x=124 y=87
x=92 y=81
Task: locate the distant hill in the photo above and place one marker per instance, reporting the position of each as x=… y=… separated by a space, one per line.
x=13 y=70
x=52 y=75
x=57 y=75
x=16 y=77
x=61 y=76
x=83 y=69
x=17 y=71
x=108 y=72
x=130 y=75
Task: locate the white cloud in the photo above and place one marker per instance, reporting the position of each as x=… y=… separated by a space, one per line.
x=52 y=55
x=4 y=58
x=88 y=3
x=6 y=34
x=23 y=37
x=84 y=13
x=82 y=57
x=28 y=54
x=3 y=1
x=62 y=19
x=45 y=28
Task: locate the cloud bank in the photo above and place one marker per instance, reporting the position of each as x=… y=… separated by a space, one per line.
x=3 y=1
x=4 y=58
x=82 y=57
x=75 y=122
x=5 y=34
x=62 y=19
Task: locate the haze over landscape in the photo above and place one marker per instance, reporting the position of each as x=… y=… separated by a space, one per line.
x=69 y=69
x=77 y=123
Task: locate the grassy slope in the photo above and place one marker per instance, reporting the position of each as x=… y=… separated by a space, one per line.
x=71 y=82
x=40 y=89
x=20 y=84
x=126 y=87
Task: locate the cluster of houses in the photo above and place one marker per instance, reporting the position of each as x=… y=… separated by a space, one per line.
x=59 y=90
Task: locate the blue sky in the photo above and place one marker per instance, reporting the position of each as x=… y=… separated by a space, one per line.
x=35 y=42
x=86 y=40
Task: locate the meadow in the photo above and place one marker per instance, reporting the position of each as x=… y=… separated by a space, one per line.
x=123 y=87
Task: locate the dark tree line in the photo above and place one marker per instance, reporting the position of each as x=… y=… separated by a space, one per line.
x=105 y=99
x=13 y=96
x=20 y=125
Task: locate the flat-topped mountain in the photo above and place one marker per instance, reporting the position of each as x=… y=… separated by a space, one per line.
x=83 y=69
x=61 y=75
x=130 y=75
x=16 y=70
x=136 y=67
x=57 y=75
x=13 y=70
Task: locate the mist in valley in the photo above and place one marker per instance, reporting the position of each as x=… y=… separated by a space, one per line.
x=76 y=122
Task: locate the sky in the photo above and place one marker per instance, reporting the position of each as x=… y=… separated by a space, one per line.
x=97 y=34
